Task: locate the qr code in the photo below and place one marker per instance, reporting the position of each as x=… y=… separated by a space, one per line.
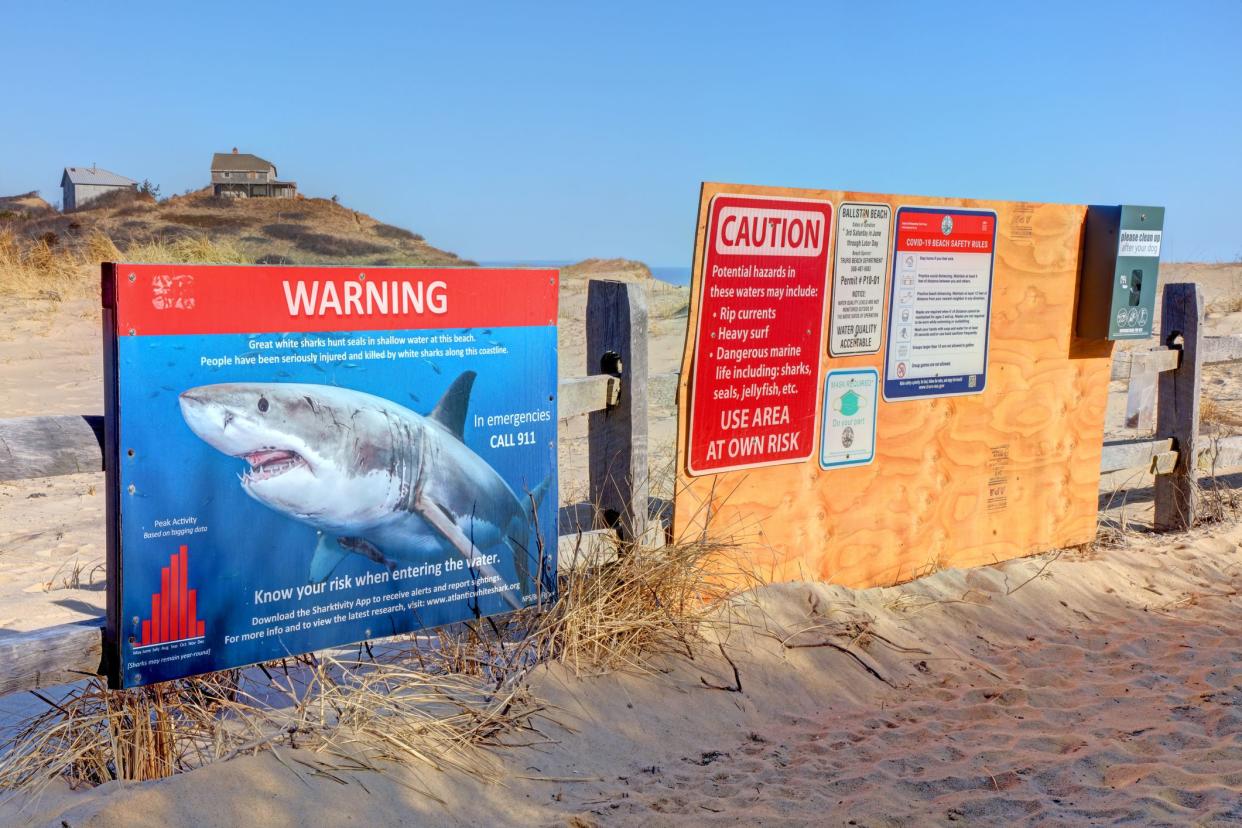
x=972 y=381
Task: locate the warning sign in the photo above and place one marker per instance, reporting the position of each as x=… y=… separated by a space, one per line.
x=756 y=360
x=849 y=418
x=858 y=279
x=940 y=303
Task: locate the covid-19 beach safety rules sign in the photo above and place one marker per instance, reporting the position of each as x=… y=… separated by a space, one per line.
x=756 y=367
x=305 y=457
x=940 y=312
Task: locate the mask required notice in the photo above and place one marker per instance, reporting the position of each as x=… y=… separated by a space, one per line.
x=940 y=303
x=850 y=399
x=857 y=324
x=756 y=359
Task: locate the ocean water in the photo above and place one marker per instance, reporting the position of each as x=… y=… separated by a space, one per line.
x=674 y=275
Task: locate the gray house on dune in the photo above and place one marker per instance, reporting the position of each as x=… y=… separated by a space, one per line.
x=81 y=185
x=242 y=175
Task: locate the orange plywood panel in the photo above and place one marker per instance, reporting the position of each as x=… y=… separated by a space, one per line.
x=955 y=481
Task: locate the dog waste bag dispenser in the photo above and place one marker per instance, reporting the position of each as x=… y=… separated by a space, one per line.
x=1120 y=265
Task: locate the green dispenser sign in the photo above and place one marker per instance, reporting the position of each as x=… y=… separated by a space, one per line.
x=1120 y=269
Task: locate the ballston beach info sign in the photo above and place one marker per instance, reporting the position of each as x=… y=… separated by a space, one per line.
x=300 y=458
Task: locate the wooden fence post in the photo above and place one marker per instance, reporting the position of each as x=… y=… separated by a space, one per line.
x=1181 y=326
x=616 y=330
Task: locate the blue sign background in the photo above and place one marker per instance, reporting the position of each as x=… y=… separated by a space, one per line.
x=248 y=546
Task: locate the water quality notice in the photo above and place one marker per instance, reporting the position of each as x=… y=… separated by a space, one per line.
x=857 y=325
x=940 y=302
x=756 y=359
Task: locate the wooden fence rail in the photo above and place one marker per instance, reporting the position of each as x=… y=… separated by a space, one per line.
x=614 y=394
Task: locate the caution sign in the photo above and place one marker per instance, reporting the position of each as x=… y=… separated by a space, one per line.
x=850 y=403
x=940 y=305
x=755 y=379
x=858 y=279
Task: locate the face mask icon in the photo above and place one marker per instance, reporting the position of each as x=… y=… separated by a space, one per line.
x=849 y=404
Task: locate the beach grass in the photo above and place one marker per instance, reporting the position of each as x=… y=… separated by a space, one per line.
x=433 y=698
x=46 y=268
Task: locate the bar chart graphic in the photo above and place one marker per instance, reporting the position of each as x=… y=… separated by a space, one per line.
x=174 y=609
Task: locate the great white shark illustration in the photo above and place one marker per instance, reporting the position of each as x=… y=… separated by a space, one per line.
x=375 y=478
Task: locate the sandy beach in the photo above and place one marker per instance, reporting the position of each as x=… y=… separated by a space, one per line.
x=1082 y=687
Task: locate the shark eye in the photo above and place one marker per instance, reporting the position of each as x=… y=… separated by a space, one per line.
x=263 y=404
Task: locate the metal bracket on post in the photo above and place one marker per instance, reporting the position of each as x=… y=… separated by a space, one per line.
x=616 y=317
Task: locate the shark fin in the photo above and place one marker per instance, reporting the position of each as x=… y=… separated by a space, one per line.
x=520 y=563
x=328 y=556
x=523 y=558
x=534 y=498
x=364 y=547
x=442 y=523
x=450 y=412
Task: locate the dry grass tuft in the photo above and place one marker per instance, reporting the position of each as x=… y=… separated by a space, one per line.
x=1217 y=501
x=434 y=699
x=74 y=575
x=37 y=267
x=355 y=713
x=934 y=564
x=387 y=231
x=47 y=268
x=618 y=614
x=93 y=735
x=1213 y=412
x=1114 y=532
x=393 y=712
x=186 y=250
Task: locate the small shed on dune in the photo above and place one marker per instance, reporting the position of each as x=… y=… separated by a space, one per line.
x=81 y=185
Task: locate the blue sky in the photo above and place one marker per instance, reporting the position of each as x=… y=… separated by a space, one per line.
x=563 y=130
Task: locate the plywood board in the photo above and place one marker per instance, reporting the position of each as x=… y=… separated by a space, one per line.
x=956 y=481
